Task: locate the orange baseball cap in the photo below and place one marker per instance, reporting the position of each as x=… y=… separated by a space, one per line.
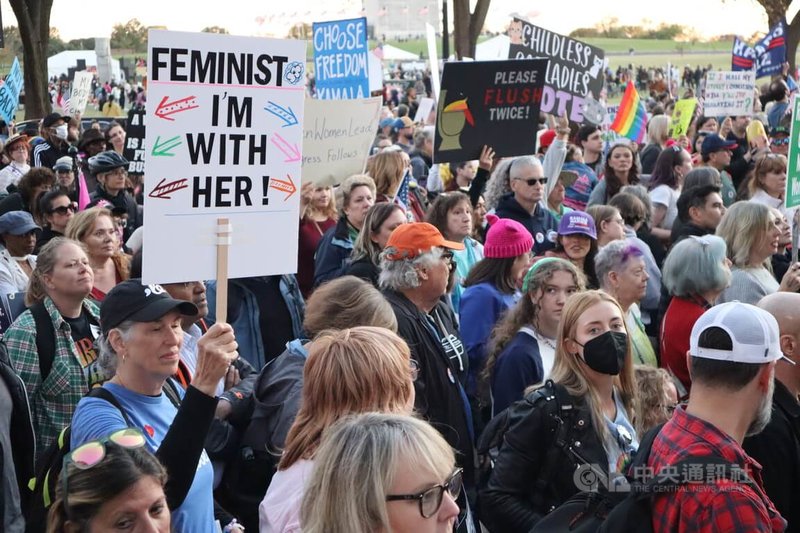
x=408 y=241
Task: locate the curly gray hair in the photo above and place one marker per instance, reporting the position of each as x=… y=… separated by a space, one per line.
x=401 y=274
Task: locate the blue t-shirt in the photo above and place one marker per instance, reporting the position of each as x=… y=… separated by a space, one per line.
x=96 y=418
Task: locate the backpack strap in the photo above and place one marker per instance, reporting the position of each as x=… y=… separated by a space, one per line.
x=45 y=338
x=171 y=390
x=550 y=392
x=107 y=395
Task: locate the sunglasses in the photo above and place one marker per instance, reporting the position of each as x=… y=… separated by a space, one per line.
x=93 y=452
x=780 y=142
x=430 y=500
x=533 y=181
x=62 y=209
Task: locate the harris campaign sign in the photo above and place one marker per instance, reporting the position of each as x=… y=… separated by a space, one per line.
x=340 y=59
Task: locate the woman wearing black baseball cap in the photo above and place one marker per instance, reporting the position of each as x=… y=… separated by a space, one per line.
x=140 y=344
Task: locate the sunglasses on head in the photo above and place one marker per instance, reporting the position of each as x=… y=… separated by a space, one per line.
x=92 y=453
x=430 y=500
x=533 y=181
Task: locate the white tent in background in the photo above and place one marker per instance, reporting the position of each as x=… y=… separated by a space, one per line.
x=493 y=49
x=61 y=63
x=392 y=53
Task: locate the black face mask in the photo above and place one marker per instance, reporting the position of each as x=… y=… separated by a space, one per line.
x=606 y=353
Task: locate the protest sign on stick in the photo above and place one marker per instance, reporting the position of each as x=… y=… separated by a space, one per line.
x=224 y=140
x=337 y=136
x=79 y=95
x=729 y=93
x=223 y=242
x=340 y=59
x=9 y=93
x=433 y=59
x=682 y=117
x=574 y=72
x=792 y=193
x=134 y=149
x=494 y=103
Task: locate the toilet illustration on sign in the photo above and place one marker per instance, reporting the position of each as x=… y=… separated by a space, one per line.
x=451 y=121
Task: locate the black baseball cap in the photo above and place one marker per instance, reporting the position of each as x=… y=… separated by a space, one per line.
x=52 y=118
x=131 y=300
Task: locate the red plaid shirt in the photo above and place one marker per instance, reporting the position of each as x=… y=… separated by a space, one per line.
x=722 y=504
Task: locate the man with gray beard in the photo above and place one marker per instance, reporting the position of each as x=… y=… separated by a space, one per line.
x=777 y=448
x=733 y=350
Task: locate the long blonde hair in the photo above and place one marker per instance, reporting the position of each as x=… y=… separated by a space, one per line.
x=743 y=226
x=569 y=371
x=387 y=169
x=349 y=371
x=356 y=466
x=82 y=223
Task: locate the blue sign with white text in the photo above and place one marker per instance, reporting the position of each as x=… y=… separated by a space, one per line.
x=340 y=59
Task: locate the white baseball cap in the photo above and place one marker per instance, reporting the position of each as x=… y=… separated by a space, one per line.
x=754 y=332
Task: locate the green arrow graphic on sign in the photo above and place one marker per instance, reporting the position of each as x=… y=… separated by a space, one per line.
x=166 y=147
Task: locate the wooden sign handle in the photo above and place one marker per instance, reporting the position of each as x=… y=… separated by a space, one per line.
x=224 y=231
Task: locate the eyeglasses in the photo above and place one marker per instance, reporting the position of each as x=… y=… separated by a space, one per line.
x=414 y=368
x=93 y=452
x=62 y=209
x=449 y=257
x=533 y=181
x=430 y=500
x=780 y=142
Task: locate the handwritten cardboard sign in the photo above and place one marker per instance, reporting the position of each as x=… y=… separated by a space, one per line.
x=574 y=72
x=340 y=59
x=224 y=139
x=337 y=137
x=79 y=95
x=9 y=92
x=729 y=93
x=493 y=103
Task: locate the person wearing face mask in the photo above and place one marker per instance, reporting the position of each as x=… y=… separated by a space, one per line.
x=54 y=130
x=588 y=400
x=733 y=352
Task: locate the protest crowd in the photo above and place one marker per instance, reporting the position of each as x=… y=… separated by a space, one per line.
x=504 y=344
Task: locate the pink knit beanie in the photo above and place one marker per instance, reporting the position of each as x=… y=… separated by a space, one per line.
x=506 y=238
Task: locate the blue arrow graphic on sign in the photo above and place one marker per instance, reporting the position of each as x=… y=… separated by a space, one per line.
x=284 y=113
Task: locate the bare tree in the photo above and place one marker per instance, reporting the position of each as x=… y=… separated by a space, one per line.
x=33 y=17
x=467 y=25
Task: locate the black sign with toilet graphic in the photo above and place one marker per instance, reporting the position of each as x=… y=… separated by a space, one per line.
x=494 y=103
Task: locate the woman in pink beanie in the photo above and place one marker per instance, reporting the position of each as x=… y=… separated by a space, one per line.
x=492 y=287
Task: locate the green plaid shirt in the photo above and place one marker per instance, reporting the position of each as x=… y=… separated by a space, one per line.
x=52 y=402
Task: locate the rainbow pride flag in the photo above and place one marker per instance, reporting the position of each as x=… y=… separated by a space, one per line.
x=631 y=119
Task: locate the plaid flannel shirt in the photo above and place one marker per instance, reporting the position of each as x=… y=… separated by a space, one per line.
x=52 y=402
x=718 y=505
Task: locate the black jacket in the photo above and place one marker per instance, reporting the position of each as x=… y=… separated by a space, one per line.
x=364 y=269
x=23 y=443
x=507 y=501
x=777 y=449
x=439 y=393
x=682 y=230
x=542 y=225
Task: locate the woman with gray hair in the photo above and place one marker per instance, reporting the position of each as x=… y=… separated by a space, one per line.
x=400 y=472
x=622 y=273
x=695 y=274
x=141 y=341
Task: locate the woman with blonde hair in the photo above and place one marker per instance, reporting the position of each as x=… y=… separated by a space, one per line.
x=656 y=397
x=399 y=472
x=350 y=371
x=317 y=215
x=657 y=135
x=96 y=229
x=588 y=400
x=389 y=168
x=752 y=236
x=523 y=343
x=768 y=184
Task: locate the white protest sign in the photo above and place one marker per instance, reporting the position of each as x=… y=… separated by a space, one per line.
x=424 y=110
x=729 y=93
x=81 y=88
x=224 y=139
x=337 y=136
x=375 y=72
x=433 y=55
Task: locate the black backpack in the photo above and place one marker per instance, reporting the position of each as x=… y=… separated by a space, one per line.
x=49 y=465
x=626 y=507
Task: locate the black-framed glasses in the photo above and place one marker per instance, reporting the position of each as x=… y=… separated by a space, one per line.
x=62 y=209
x=449 y=257
x=533 y=181
x=430 y=500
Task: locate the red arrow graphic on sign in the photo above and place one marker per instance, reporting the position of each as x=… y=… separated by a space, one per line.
x=291 y=151
x=165 y=109
x=163 y=190
x=283 y=186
